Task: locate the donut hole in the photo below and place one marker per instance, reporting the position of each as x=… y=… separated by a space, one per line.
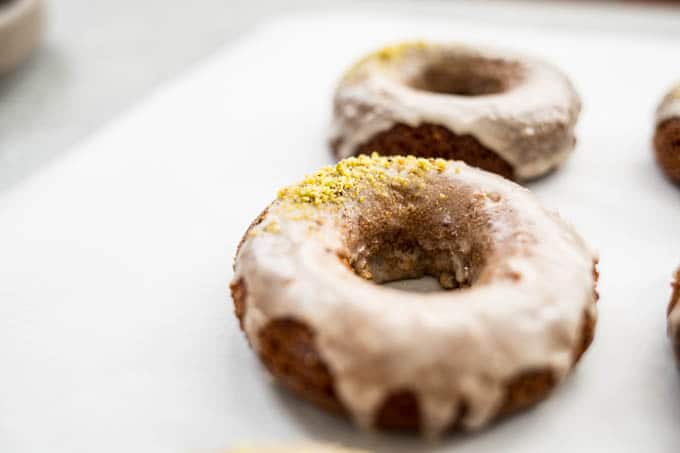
x=400 y=241
x=397 y=256
x=424 y=284
x=465 y=75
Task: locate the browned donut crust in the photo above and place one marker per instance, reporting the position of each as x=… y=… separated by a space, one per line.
x=288 y=351
x=432 y=140
x=667 y=147
x=675 y=298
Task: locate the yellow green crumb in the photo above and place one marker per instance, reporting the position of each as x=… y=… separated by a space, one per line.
x=394 y=51
x=272 y=227
x=353 y=178
x=386 y=55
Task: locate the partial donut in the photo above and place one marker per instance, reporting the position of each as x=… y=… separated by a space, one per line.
x=294 y=448
x=21 y=25
x=667 y=134
x=505 y=113
x=674 y=316
x=307 y=292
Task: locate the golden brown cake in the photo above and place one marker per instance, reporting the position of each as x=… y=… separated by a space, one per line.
x=517 y=313
x=667 y=134
x=507 y=113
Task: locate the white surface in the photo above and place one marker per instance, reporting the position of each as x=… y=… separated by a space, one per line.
x=97 y=58
x=116 y=330
x=72 y=86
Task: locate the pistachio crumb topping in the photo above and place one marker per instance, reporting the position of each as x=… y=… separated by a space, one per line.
x=272 y=227
x=355 y=177
x=386 y=55
x=394 y=51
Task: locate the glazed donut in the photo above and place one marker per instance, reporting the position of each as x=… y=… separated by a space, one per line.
x=667 y=134
x=505 y=113
x=297 y=448
x=521 y=316
x=674 y=316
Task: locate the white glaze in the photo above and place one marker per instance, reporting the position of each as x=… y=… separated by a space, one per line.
x=669 y=106
x=447 y=347
x=530 y=126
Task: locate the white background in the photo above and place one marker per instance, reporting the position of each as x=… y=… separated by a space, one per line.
x=116 y=329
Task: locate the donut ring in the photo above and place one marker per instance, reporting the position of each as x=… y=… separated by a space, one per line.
x=509 y=114
x=674 y=316
x=522 y=315
x=667 y=134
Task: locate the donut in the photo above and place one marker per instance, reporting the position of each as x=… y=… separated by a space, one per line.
x=505 y=113
x=295 y=448
x=517 y=313
x=667 y=134
x=674 y=316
